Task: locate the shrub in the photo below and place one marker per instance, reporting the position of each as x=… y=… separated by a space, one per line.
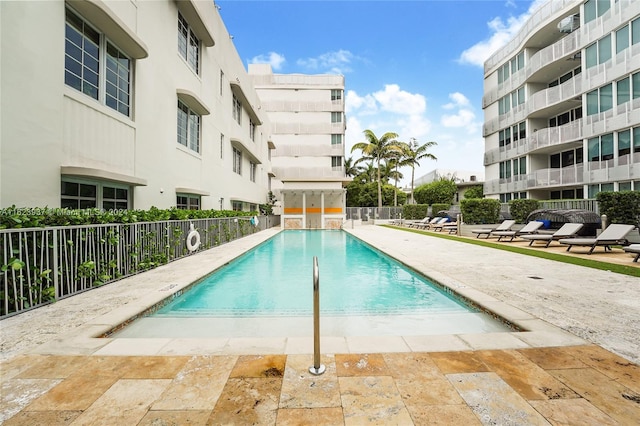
x=474 y=192
x=415 y=211
x=521 y=208
x=620 y=207
x=480 y=210
x=441 y=191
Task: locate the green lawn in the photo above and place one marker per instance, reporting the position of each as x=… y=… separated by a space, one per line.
x=596 y=264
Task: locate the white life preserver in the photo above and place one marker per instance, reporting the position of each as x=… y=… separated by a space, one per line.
x=254 y=221
x=193 y=239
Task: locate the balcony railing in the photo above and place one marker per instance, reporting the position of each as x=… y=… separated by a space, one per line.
x=309 y=106
x=309 y=173
x=315 y=150
x=307 y=128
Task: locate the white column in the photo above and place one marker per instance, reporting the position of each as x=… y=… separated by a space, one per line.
x=322 y=210
x=304 y=210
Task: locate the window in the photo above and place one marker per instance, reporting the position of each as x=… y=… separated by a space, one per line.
x=84 y=195
x=636 y=141
x=252 y=130
x=606 y=146
x=78 y=195
x=237 y=161
x=594 y=149
x=600 y=100
x=252 y=171
x=221 y=81
x=84 y=48
x=622 y=39
x=595 y=8
x=336 y=117
x=635 y=31
x=624 y=143
x=336 y=139
x=623 y=93
x=188 y=202
x=237 y=110
x=336 y=163
x=221 y=146
x=507 y=136
x=635 y=85
x=599 y=52
x=188 y=127
x=336 y=94
x=188 y=44
x=568 y=158
x=554 y=161
x=236 y=206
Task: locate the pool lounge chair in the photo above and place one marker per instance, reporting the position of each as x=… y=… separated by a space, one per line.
x=504 y=226
x=635 y=249
x=568 y=230
x=439 y=226
x=437 y=221
x=530 y=228
x=614 y=234
x=418 y=223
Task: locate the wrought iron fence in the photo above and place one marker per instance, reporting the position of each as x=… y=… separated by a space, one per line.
x=370 y=213
x=42 y=265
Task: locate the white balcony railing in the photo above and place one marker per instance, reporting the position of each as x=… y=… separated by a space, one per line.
x=309 y=173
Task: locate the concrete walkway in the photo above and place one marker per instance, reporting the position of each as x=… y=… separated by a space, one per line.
x=571 y=366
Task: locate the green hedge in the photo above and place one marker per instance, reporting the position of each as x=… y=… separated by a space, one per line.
x=521 y=208
x=620 y=207
x=436 y=207
x=415 y=211
x=34 y=217
x=480 y=210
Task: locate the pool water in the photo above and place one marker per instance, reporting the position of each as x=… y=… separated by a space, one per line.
x=268 y=291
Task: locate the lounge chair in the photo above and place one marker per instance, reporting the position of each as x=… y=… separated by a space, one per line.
x=530 y=228
x=439 y=226
x=416 y=223
x=435 y=222
x=614 y=234
x=568 y=230
x=504 y=226
x=635 y=249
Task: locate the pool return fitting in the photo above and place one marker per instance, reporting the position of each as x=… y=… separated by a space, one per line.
x=317 y=368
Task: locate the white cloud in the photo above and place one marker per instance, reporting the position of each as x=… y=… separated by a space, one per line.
x=276 y=60
x=397 y=101
x=501 y=33
x=458 y=100
x=463 y=118
x=362 y=104
x=337 y=62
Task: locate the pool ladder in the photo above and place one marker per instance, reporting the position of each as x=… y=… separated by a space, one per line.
x=317 y=368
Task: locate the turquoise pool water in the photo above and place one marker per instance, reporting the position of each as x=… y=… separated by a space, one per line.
x=276 y=279
x=268 y=292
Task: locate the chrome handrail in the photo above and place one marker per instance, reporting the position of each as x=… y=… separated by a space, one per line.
x=316 y=368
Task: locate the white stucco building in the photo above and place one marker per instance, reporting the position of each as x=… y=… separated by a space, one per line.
x=308 y=125
x=562 y=103
x=127 y=104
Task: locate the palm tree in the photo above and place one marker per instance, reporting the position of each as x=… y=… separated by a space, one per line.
x=377 y=149
x=413 y=153
x=392 y=172
x=350 y=167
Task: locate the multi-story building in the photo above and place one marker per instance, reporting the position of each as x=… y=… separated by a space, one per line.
x=308 y=125
x=127 y=104
x=562 y=103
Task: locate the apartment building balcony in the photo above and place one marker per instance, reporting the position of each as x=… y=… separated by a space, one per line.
x=538 y=179
x=626 y=167
x=550 y=139
x=299 y=80
x=304 y=106
x=315 y=150
x=311 y=174
x=308 y=128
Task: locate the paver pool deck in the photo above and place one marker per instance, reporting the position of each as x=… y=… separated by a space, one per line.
x=576 y=363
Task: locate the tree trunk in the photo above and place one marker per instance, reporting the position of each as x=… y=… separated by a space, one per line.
x=413 y=169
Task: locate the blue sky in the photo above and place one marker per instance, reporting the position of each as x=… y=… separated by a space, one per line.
x=410 y=67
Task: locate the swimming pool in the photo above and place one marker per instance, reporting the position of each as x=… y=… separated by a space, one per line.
x=361 y=291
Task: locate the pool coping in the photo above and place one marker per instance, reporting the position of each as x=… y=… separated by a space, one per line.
x=83 y=339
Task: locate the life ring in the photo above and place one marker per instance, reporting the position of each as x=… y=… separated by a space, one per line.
x=193 y=240
x=254 y=221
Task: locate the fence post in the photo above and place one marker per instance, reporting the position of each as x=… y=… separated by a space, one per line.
x=56 y=283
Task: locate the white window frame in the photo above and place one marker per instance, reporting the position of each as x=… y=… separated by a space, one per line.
x=188 y=127
x=109 y=79
x=188 y=44
x=121 y=203
x=190 y=202
x=237 y=110
x=237 y=161
x=253 y=167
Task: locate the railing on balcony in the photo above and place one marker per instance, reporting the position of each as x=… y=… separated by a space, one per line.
x=308 y=106
x=309 y=173
x=42 y=265
x=315 y=150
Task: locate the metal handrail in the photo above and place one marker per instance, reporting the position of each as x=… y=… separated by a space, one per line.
x=316 y=368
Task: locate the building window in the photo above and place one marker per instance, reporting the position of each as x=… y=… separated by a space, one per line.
x=336 y=139
x=188 y=44
x=635 y=85
x=221 y=146
x=595 y=8
x=252 y=130
x=84 y=47
x=622 y=39
x=336 y=117
x=237 y=110
x=336 y=94
x=635 y=31
x=623 y=91
x=221 y=81
x=236 y=206
x=599 y=52
x=624 y=143
x=336 y=163
x=237 y=161
x=85 y=195
x=253 y=167
x=188 y=202
x=188 y=127
x=600 y=100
